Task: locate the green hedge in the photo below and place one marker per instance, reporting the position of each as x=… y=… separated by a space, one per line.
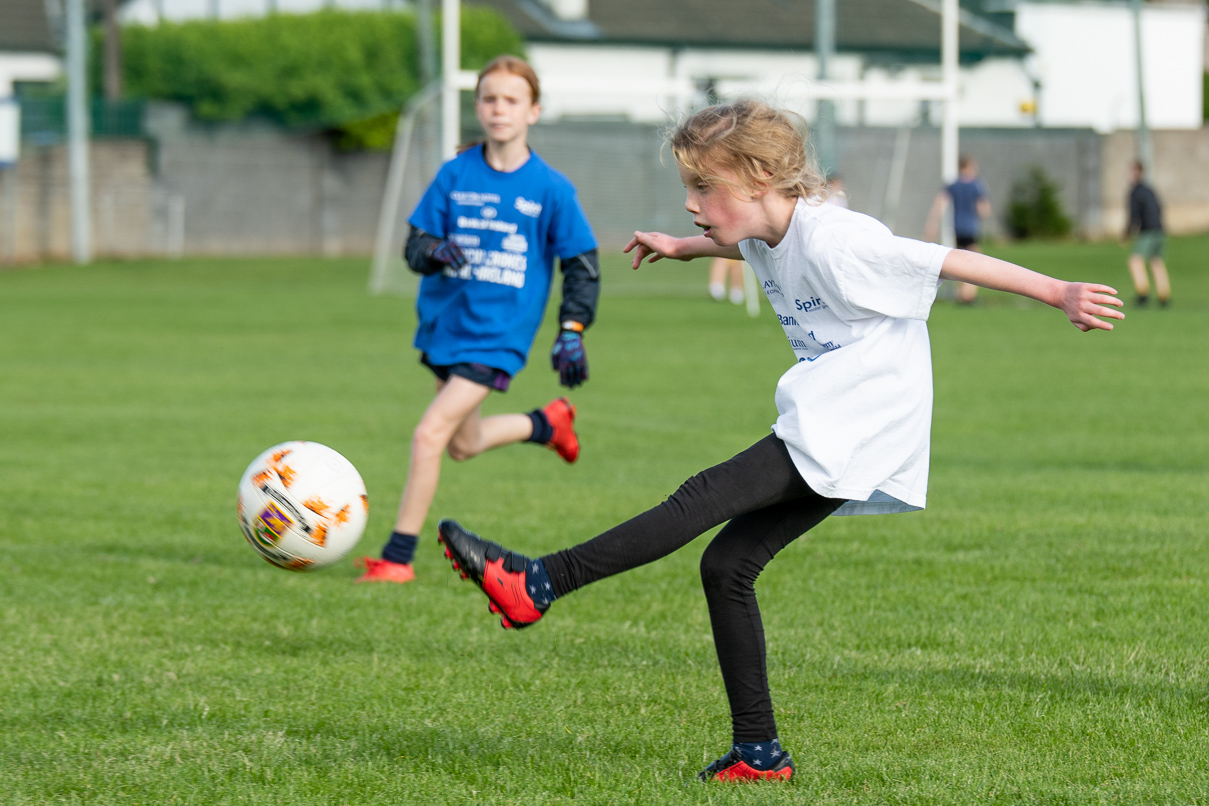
x=1035 y=209
x=340 y=70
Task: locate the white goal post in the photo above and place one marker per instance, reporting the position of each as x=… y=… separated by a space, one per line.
x=455 y=80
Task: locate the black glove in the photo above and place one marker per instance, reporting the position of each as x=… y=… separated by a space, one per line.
x=449 y=253
x=569 y=359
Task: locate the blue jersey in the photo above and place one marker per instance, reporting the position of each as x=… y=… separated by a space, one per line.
x=510 y=226
x=965 y=196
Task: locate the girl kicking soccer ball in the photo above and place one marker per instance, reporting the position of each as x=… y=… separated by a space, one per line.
x=485 y=236
x=855 y=409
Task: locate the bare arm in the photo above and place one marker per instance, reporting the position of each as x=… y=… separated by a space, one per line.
x=1081 y=302
x=659 y=246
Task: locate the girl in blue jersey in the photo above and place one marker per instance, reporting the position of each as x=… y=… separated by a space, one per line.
x=855 y=406
x=485 y=236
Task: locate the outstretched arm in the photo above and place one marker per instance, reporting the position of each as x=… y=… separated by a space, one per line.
x=659 y=246
x=1081 y=302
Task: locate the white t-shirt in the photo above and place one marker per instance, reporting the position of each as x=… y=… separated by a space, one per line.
x=856 y=410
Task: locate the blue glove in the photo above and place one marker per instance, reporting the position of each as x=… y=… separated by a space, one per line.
x=449 y=253
x=569 y=359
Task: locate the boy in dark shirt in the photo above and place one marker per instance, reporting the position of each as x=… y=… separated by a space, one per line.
x=1146 y=220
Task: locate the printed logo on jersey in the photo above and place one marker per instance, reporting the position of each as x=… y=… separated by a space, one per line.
x=772 y=287
x=810 y=305
x=488 y=212
x=466 y=239
x=516 y=243
x=465 y=222
x=469 y=198
x=530 y=208
x=826 y=345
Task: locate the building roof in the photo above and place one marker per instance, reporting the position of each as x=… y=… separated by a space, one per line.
x=25 y=26
x=907 y=28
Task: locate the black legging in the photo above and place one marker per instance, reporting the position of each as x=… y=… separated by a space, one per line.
x=769 y=506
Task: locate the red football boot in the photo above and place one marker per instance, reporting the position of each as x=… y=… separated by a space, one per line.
x=499 y=572
x=732 y=767
x=384 y=570
x=560 y=414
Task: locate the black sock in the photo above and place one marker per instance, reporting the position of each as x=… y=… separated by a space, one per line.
x=401 y=548
x=543 y=432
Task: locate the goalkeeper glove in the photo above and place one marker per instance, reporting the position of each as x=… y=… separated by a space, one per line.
x=568 y=357
x=449 y=253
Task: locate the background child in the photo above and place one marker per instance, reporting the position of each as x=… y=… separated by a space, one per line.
x=1146 y=223
x=721 y=270
x=855 y=410
x=968 y=196
x=485 y=235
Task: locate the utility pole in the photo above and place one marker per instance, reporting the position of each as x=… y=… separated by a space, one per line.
x=824 y=48
x=1145 y=152
x=77 y=133
x=113 y=52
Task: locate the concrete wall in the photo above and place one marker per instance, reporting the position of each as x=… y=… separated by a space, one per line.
x=35 y=204
x=254 y=189
x=1181 y=168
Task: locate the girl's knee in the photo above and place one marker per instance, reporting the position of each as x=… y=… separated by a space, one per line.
x=718 y=569
x=461 y=451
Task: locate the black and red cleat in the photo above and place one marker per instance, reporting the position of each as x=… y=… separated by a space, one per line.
x=500 y=574
x=732 y=767
x=560 y=414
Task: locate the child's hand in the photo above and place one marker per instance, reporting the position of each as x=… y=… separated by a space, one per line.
x=1083 y=302
x=655 y=244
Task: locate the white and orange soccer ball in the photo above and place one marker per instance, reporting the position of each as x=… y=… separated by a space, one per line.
x=302 y=505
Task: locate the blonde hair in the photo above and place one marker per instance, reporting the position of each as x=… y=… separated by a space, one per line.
x=763 y=146
x=517 y=67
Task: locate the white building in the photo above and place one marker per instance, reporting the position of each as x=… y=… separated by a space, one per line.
x=1059 y=64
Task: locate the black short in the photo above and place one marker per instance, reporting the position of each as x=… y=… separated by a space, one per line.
x=965 y=243
x=481 y=374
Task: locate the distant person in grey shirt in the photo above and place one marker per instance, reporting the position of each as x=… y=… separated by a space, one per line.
x=1146 y=223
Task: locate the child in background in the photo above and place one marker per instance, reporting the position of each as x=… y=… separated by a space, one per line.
x=1146 y=224
x=855 y=409
x=485 y=236
x=970 y=206
x=720 y=270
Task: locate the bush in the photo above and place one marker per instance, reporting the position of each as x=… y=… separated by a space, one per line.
x=1035 y=211
x=340 y=70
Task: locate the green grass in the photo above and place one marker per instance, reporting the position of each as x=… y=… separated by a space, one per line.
x=1036 y=636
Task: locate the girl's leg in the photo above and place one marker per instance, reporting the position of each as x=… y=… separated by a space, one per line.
x=759 y=477
x=479 y=434
x=729 y=568
x=456 y=400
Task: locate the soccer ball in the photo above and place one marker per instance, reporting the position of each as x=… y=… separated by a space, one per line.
x=302 y=506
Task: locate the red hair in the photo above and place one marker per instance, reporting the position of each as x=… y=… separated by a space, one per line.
x=517 y=67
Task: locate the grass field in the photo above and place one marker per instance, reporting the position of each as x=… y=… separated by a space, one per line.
x=1038 y=635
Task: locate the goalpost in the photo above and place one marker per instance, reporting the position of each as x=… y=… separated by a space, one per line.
x=388 y=274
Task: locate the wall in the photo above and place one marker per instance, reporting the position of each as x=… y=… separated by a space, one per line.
x=254 y=189
x=1181 y=165
x=1085 y=60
